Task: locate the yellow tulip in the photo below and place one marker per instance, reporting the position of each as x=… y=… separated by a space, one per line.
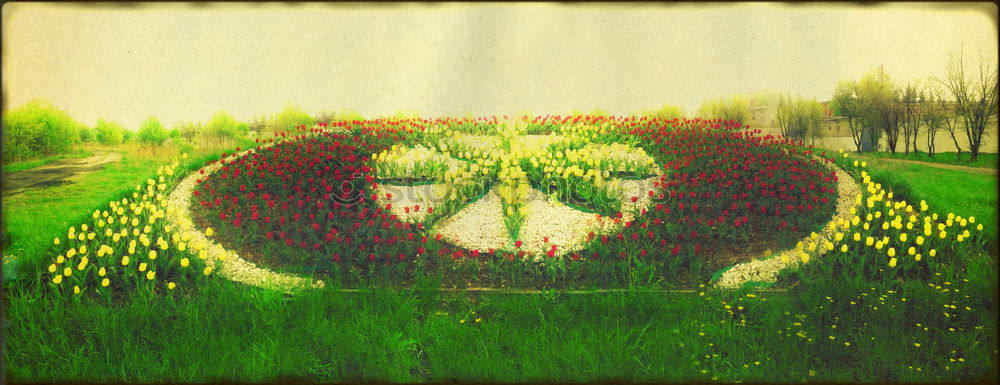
x=933 y=252
x=57 y=280
x=804 y=257
x=892 y=252
x=207 y=271
x=150 y=275
x=917 y=258
x=943 y=234
x=857 y=237
x=171 y=285
x=979 y=227
x=902 y=237
x=105 y=282
x=125 y=260
x=152 y=255
x=142 y=266
x=184 y=262
x=52 y=268
x=843 y=248
x=102 y=272
x=56 y=241
x=209 y=232
x=892 y=262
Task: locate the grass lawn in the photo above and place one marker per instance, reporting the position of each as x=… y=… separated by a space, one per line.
x=984 y=160
x=823 y=329
x=30 y=164
x=962 y=193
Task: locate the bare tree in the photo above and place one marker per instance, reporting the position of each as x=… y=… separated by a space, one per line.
x=975 y=98
x=910 y=116
x=845 y=103
x=933 y=117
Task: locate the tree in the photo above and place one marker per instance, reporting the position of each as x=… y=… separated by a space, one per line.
x=845 y=103
x=109 y=133
x=666 y=112
x=292 y=117
x=151 y=132
x=188 y=130
x=800 y=118
x=878 y=101
x=86 y=134
x=975 y=97
x=933 y=117
x=910 y=116
x=38 y=129
x=222 y=127
x=736 y=109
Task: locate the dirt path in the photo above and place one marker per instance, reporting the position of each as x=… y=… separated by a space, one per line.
x=977 y=170
x=57 y=173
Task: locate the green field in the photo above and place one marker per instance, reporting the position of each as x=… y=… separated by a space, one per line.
x=983 y=161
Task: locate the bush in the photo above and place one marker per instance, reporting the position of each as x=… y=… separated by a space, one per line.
x=110 y=133
x=152 y=132
x=38 y=129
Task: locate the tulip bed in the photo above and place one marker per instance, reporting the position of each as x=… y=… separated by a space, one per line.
x=308 y=201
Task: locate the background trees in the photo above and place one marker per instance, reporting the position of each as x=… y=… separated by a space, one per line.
x=38 y=129
x=736 y=108
x=666 y=112
x=799 y=118
x=151 y=132
x=109 y=133
x=845 y=103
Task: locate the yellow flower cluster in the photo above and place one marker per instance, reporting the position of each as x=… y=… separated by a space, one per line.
x=117 y=247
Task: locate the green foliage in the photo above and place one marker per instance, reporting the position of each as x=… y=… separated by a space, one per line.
x=292 y=117
x=799 y=118
x=667 y=112
x=223 y=126
x=86 y=134
x=110 y=133
x=736 y=108
x=152 y=132
x=38 y=129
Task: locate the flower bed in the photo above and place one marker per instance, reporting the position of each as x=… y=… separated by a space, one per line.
x=394 y=194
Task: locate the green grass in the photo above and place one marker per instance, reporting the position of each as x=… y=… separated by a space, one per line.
x=963 y=193
x=983 y=161
x=229 y=332
x=223 y=331
x=30 y=164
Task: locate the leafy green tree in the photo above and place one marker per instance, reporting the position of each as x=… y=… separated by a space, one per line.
x=222 y=126
x=86 y=134
x=736 y=108
x=879 y=103
x=110 y=133
x=38 y=129
x=292 y=117
x=151 y=132
x=667 y=112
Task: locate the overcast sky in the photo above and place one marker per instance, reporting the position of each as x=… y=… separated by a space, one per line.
x=184 y=62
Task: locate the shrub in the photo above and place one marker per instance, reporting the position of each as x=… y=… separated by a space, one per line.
x=109 y=133
x=38 y=129
x=152 y=132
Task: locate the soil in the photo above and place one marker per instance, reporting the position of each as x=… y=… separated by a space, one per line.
x=60 y=172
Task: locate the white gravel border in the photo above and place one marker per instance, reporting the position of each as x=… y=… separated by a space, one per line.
x=229 y=264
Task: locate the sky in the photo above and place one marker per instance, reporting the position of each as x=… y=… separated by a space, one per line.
x=184 y=62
